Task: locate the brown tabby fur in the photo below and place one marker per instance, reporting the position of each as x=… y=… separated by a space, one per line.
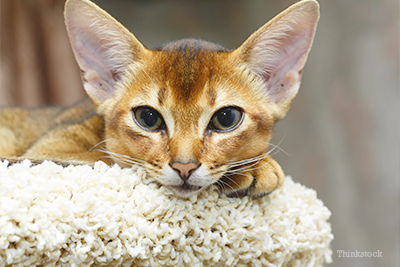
x=186 y=81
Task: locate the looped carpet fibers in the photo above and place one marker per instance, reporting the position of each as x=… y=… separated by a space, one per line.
x=108 y=216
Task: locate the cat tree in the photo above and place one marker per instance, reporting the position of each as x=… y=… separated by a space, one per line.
x=108 y=216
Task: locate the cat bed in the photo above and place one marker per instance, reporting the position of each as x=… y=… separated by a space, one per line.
x=108 y=216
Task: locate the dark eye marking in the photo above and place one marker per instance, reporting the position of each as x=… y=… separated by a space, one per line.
x=134 y=135
x=161 y=96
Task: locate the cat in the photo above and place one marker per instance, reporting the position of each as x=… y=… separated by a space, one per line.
x=190 y=112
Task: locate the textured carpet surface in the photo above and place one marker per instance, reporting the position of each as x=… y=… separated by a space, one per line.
x=108 y=216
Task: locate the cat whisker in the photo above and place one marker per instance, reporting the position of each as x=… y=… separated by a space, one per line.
x=230 y=77
x=230 y=179
x=155 y=86
x=99 y=143
x=235 y=191
x=277 y=147
x=242 y=169
x=256 y=159
x=124 y=159
x=239 y=164
x=251 y=162
x=225 y=184
x=242 y=163
x=248 y=166
x=246 y=169
x=132 y=162
x=129 y=162
x=121 y=155
x=153 y=172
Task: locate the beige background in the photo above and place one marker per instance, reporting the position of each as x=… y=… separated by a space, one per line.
x=341 y=136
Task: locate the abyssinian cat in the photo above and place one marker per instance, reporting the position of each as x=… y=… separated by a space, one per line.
x=191 y=112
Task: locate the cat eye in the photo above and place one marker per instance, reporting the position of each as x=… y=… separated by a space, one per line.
x=226 y=119
x=148 y=118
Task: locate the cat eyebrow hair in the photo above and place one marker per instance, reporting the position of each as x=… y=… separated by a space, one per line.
x=212 y=95
x=161 y=96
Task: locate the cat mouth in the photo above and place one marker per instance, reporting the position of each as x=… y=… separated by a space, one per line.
x=185 y=189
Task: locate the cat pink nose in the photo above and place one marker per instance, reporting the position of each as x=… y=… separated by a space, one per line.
x=184 y=169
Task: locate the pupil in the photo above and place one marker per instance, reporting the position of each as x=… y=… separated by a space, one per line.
x=226 y=117
x=149 y=117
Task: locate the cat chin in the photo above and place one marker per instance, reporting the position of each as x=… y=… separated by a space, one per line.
x=185 y=190
x=197 y=182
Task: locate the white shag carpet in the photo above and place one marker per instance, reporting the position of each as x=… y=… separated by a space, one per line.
x=108 y=216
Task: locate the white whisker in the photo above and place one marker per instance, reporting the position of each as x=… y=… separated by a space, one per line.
x=230 y=78
x=250 y=164
x=99 y=143
x=224 y=184
x=256 y=159
x=124 y=158
x=252 y=168
x=277 y=147
x=147 y=75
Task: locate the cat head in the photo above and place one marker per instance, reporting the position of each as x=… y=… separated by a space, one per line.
x=189 y=109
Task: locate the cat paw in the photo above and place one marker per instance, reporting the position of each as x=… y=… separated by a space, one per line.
x=259 y=181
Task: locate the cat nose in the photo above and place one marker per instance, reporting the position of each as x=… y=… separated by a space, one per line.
x=184 y=169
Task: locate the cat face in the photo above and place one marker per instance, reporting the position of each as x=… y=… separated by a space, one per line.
x=197 y=107
x=191 y=112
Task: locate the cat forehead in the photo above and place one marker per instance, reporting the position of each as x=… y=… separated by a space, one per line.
x=183 y=68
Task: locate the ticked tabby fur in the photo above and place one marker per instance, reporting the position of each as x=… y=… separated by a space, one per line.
x=191 y=112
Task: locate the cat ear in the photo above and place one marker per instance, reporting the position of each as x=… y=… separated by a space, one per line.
x=278 y=51
x=103 y=48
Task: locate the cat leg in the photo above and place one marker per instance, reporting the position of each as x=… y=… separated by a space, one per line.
x=254 y=180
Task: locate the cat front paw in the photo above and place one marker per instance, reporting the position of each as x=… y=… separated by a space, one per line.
x=256 y=181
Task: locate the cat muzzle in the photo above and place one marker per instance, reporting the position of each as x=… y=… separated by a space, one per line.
x=184 y=169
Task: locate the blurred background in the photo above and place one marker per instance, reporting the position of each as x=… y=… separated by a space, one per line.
x=341 y=136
